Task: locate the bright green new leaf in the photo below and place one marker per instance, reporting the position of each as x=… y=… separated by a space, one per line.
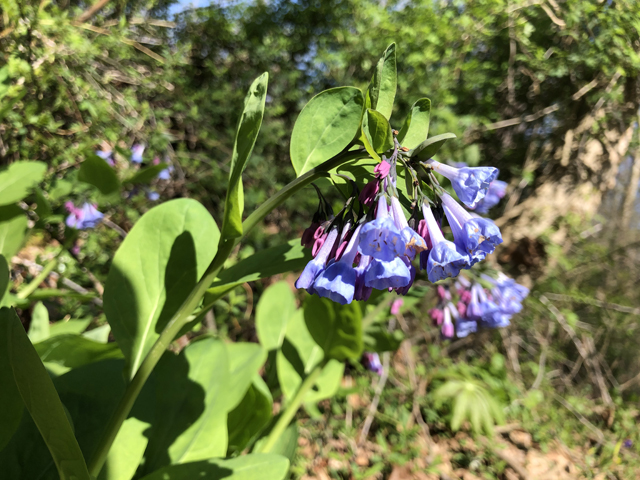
x=273 y=311
x=246 y=134
x=40 y=398
x=63 y=327
x=247 y=467
x=416 y=126
x=153 y=272
x=336 y=328
x=145 y=175
x=95 y=171
x=249 y=418
x=378 y=137
x=382 y=89
x=39 y=327
x=4 y=276
x=13 y=227
x=99 y=334
x=430 y=147
x=298 y=357
x=325 y=127
x=18 y=179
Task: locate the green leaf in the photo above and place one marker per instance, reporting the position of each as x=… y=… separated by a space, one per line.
x=245 y=359
x=4 y=276
x=18 y=179
x=73 y=351
x=336 y=328
x=416 y=125
x=325 y=127
x=63 y=327
x=13 y=227
x=43 y=209
x=95 y=171
x=298 y=357
x=126 y=452
x=382 y=88
x=376 y=130
x=154 y=271
x=99 y=334
x=11 y=406
x=40 y=398
x=286 y=445
x=146 y=175
x=283 y=258
x=430 y=147
x=249 y=418
x=246 y=467
x=39 y=327
x=246 y=134
x=273 y=311
x=377 y=338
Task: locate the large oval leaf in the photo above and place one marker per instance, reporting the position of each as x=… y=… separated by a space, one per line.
x=250 y=417
x=382 y=89
x=153 y=272
x=377 y=133
x=17 y=180
x=13 y=227
x=95 y=171
x=416 y=125
x=430 y=146
x=40 y=397
x=273 y=311
x=246 y=467
x=326 y=125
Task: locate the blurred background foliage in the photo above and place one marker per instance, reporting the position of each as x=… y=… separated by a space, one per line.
x=545 y=90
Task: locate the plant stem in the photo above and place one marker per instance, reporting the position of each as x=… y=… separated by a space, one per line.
x=292 y=407
x=189 y=305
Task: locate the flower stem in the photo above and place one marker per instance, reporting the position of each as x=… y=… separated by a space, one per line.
x=181 y=317
x=292 y=408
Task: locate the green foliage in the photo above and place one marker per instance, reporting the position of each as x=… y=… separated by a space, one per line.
x=381 y=92
x=95 y=171
x=153 y=272
x=250 y=417
x=18 y=179
x=13 y=227
x=277 y=305
x=4 y=276
x=376 y=133
x=325 y=127
x=39 y=327
x=415 y=128
x=430 y=146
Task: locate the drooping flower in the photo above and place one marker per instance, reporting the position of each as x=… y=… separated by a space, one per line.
x=107 y=156
x=338 y=281
x=317 y=264
x=387 y=274
x=86 y=216
x=507 y=294
x=480 y=307
x=371 y=361
x=380 y=238
x=497 y=190
x=470 y=183
x=371 y=189
x=444 y=259
x=413 y=242
x=464 y=327
x=447 y=326
x=136 y=153
x=437 y=315
x=362 y=291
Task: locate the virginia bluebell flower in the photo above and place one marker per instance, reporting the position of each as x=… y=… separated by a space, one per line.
x=371 y=361
x=470 y=183
x=362 y=291
x=338 y=281
x=84 y=217
x=413 y=242
x=480 y=307
x=507 y=294
x=106 y=156
x=380 y=238
x=497 y=190
x=447 y=325
x=464 y=327
x=444 y=259
x=136 y=153
x=153 y=195
x=387 y=274
x=317 y=265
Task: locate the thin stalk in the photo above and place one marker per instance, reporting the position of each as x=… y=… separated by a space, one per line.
x=182 y=315
x=41 y=277
x=292 y=408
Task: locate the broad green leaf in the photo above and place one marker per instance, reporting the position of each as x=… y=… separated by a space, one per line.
x=11 y=406
x=416 y=125
x=378 y=137
x=298 y=357
x=249 y=418
x=273 y=311
x=41 y=399
x=325 y=127
x=73 y=351
x=145 y=175
x=247 y=467
x=430 y=147
x=43 y=209
x=13 y=227
x=286 y=445
x=126 y=452
x=246 y=134
x=245 y=359
x=99 y=334
x=382 y=88
x=4 y=276
x=39 y=327
x=95 y=171
x=337 y=329
x=18 y=179
x=377 y=338
x=65 y=327
x=153 y=272
x=287 y=257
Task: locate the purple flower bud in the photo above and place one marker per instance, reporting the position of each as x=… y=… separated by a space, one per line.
x=136 y=153
x=447 y=326
x=396 y=306
x=371 y=361
x=437 y=315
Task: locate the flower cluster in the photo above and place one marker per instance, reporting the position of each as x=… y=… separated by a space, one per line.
x=81 y=218
x=478 y=306
x=371 y=244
